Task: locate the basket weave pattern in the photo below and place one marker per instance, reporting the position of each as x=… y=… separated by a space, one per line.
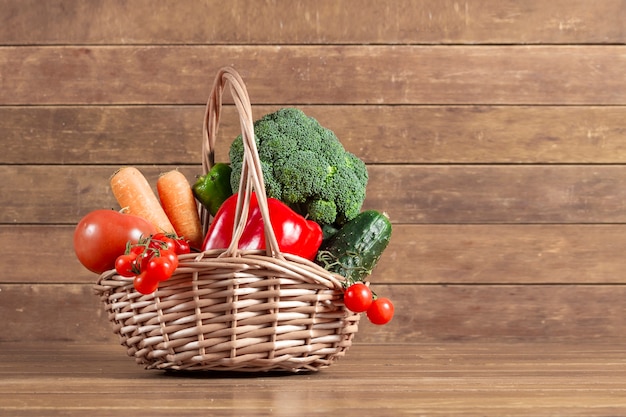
x=232 y=309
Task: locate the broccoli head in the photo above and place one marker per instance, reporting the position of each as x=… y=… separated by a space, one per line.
x=305 y=166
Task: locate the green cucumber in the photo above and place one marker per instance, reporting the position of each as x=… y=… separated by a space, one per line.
x=355 y=249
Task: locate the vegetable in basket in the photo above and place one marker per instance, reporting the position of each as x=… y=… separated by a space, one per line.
x=212 y=189
x=151 y=260
x=102 y=235
x=180 y=206
x=305 y=166
x=134 y=194
x=355 y=249
x=353 y=252
x=295 y=234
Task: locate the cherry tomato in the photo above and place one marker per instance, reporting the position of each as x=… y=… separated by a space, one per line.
x=182 y=246
x=144 y=258
x=381 y=311
x=137 y=250
x=101 y=236
x=162 y=241
x=159 y=236
x=357 y=297
x=125 y=265
x=160 y=268
x=171 y=255
x=145 y=284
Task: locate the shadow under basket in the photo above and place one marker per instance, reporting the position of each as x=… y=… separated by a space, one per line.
x=232 y=309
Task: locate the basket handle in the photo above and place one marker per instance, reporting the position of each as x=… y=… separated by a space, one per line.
x=251 y=172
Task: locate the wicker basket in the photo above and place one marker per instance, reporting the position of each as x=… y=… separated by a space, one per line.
x=230 y=309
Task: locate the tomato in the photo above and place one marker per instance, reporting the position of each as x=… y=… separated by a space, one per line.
x=170 y=242
x=171 y=255
x=137 y=250
x=182 y=246
x=101 y=236
x=143 y=259
x=160 y=268
x=381 y=311
x=145 y=284
x=357 y=297
x=162 y=241
x=125 y=265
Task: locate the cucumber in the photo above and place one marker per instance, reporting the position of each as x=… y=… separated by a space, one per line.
x=355 y=249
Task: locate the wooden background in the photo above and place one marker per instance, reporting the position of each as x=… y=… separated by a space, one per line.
x=494 y=131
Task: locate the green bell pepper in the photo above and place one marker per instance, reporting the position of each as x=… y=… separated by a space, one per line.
x=212 y=189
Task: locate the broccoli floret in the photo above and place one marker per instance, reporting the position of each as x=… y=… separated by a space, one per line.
x=305 y=166
x=301 y=176
x=323 y=211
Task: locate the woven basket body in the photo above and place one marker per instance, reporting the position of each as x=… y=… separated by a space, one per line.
x=230 y=309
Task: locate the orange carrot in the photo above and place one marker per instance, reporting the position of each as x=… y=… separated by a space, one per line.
x=134 y=194
x=180 y=206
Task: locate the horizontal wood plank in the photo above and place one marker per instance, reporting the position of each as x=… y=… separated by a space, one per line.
x=499 y=194
x=503 y=254
x=315 y=74
x=470 y=379
x=311 y=22
x=447 y=194
x=377 y=134
x=417 y=254
x=424 y=313
x=27 y=363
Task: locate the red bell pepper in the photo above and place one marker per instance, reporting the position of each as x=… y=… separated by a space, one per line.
x=295 y=234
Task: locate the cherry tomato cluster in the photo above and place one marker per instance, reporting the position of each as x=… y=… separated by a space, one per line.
x=151 y=260
x=358 y=298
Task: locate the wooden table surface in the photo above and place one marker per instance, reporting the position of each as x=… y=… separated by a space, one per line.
x=469 y=378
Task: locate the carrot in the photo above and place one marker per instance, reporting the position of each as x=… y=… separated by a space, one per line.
x=133 y=193
x=180 y=206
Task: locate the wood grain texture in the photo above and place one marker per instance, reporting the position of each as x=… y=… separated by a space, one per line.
x=493 y=131
x=503 y=254
x=417 y=255
x=313 y=74
x=312 y=22
x=447 y=194
x=499 y=194
x=427 y=313
x=470 y=379
x=378 y=134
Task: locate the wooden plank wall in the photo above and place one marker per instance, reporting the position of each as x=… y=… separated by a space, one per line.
x=494 y=132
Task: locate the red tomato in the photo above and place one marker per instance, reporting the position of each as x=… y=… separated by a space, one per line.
x=160 y=268
x=145 y=284
x=171 y=255
x=381 y=311
x=125 y=265
x=143 y=259
x=162 y=241
x=182 y=246
x=357 y=297
x=101 y=236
